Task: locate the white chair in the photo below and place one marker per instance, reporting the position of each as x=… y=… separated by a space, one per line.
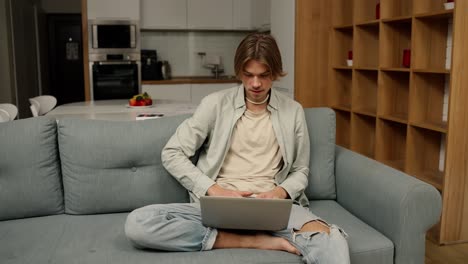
x=8 y=112
x=40 y=105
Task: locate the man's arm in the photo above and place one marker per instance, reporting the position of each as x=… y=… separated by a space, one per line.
x=297 y=179
x=216 y=190
x=185 y=142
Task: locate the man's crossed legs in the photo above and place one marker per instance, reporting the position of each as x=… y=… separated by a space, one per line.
x=178 y=227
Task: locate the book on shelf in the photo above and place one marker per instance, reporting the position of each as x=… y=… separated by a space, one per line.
x=145 y=116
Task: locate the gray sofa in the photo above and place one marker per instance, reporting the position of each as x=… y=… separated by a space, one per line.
x=66 y=189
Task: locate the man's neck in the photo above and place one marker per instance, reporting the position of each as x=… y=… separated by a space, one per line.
x=256 y=107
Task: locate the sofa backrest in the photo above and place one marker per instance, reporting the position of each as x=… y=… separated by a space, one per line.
x=30 y=183
x=111 y=166
x=321 y=124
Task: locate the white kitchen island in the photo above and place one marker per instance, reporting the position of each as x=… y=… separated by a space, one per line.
x=118 y=110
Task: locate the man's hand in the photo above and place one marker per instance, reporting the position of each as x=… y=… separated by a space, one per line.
x=216 y=190
x=277 y=193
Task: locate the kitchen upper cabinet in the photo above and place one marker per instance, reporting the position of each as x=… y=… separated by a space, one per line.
x=114 y=9
x=242 y=15
x=261 y=10
x=163 y=14
x=209 y=14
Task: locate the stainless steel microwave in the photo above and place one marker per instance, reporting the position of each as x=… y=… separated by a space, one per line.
x=114 y=36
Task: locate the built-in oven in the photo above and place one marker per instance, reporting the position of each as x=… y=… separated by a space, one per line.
x=114 y=76
x=113 y=36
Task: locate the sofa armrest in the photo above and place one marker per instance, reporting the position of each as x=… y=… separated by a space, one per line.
x=399 y=206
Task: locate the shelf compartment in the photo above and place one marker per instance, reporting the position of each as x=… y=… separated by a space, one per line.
x=430 y=37
x=435 y=14
x=393 y=95
x=391 y=143
x=442 y=71
x=426 y=6
x=373 y=23
x=401 y=19
x=365 y=10
x=395 y=37
x=429 y=100
x=395 y=69
x=424 y=155
x=364 y=95
x=341 y=12
x=396 y=8
x=342 y=68
x=343 y=128
x=344 y=27
x=341 y=85
x=363 y=134
x=366 y=46
x=342 y=43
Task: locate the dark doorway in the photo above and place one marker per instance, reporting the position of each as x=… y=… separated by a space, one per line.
x=66 y=58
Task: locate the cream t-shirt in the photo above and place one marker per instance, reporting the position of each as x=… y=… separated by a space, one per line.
x=254 y=157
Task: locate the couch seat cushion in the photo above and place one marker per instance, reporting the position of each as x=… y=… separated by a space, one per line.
x=100 y=239
x=366 y=245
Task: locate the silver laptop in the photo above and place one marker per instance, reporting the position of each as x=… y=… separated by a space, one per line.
x=245 y=213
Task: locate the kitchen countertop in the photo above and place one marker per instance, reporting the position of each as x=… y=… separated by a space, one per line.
x=118 y=110
x=194 y=79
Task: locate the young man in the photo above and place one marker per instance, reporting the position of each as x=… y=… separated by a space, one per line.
x=252 y=140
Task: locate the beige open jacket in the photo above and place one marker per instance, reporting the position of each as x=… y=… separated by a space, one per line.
x=210 y=129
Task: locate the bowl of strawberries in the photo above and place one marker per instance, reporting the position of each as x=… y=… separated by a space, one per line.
x=141 y=100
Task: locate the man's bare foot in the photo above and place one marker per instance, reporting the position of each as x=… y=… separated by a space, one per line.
x=265 y=241
x=258 y=241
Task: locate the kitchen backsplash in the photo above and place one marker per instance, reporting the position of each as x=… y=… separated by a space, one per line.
x=181 y=48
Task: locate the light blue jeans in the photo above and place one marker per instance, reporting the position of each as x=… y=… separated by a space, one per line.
x=178 y=227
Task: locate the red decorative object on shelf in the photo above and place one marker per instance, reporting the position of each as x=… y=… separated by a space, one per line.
x=377 y=11
x=406 y=58
x=349 y=61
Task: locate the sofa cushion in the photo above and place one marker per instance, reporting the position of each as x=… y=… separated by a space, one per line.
x=30 y=182
x=366 y=245
x=111 y=166
x=101 y=239
x=321 y=126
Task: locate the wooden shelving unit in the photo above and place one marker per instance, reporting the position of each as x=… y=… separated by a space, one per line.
x=398 y=113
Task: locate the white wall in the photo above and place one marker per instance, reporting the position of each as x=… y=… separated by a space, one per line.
x=181 y=48
x=61 y=6
x=283 y=28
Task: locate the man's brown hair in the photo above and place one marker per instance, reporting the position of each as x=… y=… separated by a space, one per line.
x=261 y=47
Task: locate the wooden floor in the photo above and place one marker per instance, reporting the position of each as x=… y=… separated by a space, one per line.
x=451 y=254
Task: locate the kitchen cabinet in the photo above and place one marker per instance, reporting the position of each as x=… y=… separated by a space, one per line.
x=176 y=92
x=199 y=91
x=283 y=28
x=242 y=15
x=113 y=9
x=163 y=14
x=261 y=14
x=190 y=93
x=205 y=14
x=209 y=14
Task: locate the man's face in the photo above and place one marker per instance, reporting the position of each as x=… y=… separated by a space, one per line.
x=257 y=80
